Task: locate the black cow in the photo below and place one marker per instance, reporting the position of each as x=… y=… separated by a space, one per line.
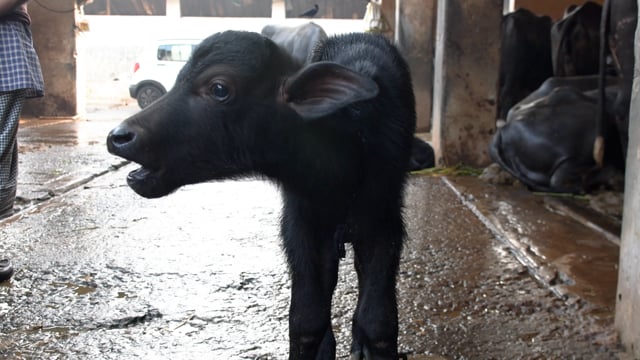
x=586 y=84
x=547 y=142
x=299 y=41
x=525 y=58
x=336 y=136
x=618 y=32
x=575 y=41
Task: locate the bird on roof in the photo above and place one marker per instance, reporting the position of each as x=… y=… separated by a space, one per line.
x=311 y=12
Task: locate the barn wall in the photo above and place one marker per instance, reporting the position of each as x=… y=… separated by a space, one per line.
x=553 y=8
x=54 y=38
x=628 y=297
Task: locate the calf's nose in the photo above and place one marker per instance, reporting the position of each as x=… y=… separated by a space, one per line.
x=120 y=139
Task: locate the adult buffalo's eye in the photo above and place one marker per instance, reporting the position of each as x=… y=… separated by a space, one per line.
x=220 y=91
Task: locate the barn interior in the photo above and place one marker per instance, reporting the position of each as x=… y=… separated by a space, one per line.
x=453 y=48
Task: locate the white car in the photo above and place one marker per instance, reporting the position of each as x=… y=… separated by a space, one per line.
x=157 y=67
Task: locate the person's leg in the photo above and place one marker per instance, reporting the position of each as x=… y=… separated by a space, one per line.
x=10 y=108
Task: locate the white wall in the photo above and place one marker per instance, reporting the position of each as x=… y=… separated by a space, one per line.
x=110 y=47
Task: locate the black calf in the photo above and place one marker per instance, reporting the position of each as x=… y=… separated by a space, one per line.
x=335 y=135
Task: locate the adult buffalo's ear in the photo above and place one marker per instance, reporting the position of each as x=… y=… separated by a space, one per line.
x=324 y=87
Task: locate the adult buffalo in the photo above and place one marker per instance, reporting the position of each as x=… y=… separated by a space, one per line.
x=525 y=58
x=586 y=84
x=299 y=41
x=547 y=142
x=336 y=136
x=619 y=22
x=575 y=41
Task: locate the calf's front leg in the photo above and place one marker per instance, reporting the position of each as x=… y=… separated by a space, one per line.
x=313 y=267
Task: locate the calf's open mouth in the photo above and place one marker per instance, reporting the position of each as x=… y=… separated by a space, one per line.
x=140 y=174
x=147 y=182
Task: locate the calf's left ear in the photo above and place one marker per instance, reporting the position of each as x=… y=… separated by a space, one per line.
x=324 y=87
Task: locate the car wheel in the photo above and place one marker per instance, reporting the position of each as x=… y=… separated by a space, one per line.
x=148 y=94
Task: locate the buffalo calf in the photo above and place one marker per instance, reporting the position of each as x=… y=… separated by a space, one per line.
x=336 y=135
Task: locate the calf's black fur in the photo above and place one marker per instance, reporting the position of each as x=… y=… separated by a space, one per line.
x=335 y=135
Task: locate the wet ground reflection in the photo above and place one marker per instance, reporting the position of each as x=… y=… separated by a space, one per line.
x=106 y=274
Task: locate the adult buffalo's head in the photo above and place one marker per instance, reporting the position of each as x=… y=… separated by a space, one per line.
x=237 y=101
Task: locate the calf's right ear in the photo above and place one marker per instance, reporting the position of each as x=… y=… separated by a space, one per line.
x=324 y=87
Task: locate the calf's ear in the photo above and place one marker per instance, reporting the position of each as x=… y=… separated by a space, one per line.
x=324 y=87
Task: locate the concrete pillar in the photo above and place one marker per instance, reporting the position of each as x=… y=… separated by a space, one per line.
x=278 y=10
x=465 y=80
x=173 y=9
x=54 y=37
x=415 y=37
x=628 y=296
x=508 y=6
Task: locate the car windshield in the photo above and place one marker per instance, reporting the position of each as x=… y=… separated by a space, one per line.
x=177 y=52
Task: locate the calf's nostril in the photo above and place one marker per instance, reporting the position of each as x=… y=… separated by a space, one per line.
x=121 y=136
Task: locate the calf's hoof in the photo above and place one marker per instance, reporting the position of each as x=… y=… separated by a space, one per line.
x=6 y=270
x=364 y=353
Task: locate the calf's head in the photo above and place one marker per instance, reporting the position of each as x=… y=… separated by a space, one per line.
x=236 y=99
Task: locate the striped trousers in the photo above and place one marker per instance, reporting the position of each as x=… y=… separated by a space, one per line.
x=10 y=107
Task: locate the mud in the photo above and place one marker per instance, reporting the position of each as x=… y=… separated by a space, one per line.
x=471 y=299
x=104 y=274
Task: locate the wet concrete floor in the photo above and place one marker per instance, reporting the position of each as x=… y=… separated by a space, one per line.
x=488 y=272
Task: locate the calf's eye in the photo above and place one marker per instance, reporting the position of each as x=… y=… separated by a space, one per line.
x=220 y=91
